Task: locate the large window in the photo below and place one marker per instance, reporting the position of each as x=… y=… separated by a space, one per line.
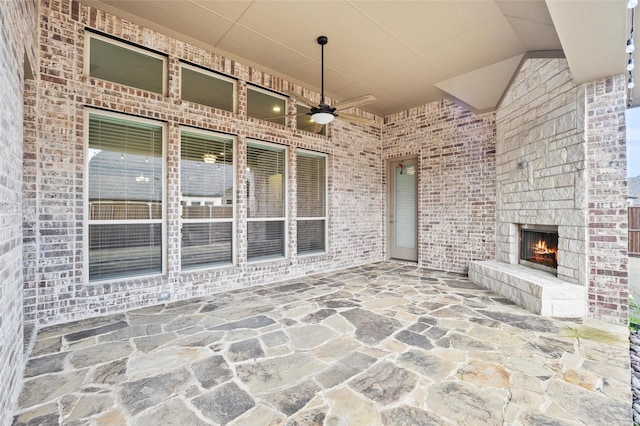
x=207 y=88
x=125 y=64
x=311 y=182
x=265 y=201
x=125 y=197
x=206 y=186
x=266 y=105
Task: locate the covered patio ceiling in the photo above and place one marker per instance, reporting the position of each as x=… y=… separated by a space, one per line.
x=404 y=53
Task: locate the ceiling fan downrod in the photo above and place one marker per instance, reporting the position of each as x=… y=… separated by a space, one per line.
x=322 y=40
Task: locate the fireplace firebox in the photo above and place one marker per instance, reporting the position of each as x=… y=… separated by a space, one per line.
x=539 y=247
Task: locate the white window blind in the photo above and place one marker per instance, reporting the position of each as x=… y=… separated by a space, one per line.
x=125 y=188
x=311 y=182
x=265 y=201
x=405 y=206
x=207 y=193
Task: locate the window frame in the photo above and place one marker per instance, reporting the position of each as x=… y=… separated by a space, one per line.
x=87 y=222
x=285 y=201
x=141 y=50
x=233 y=220
x=212 y=74
x=310 y=153
x=273 y=94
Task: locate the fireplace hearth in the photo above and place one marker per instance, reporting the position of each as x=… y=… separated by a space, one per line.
x=539 y=247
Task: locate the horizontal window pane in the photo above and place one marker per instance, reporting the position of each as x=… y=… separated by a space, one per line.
x=265 y=106
x=124 y=250
x=113 y=62
x=265 y=240
x=206 y=89
x=265 y=182
x=205 y=244
x=311 y=236
x=305 y=122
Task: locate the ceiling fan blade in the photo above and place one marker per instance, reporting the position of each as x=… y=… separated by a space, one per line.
x=354 y=102
x=356 y=118
x=300 y=99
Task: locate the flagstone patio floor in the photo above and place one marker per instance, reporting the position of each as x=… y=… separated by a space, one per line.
x=380 y=344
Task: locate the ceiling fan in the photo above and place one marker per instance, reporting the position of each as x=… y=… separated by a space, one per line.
x=324 y=113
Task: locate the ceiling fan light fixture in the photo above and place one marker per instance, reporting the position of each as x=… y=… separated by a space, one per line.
x=209 y=158
x=322 y=117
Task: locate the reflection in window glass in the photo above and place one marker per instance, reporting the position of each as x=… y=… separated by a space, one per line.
x=207 y=88
x=206 y=185
x=123 y=64
x=266 y=106
x=125 y=197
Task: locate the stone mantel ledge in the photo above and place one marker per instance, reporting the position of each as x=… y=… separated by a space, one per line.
x=537 y=291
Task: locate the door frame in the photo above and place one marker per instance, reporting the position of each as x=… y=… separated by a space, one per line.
x=389 y=198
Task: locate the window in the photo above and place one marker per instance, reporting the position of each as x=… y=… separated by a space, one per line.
x=125 y=197
x=207 y=193
x=266 y=105
x=207 y=88
x=265 y=201
x=304 y=121
x=125 y=64
x=311 y=182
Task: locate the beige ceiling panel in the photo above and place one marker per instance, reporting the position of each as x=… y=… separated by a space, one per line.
x=535 y=36
x=383 y=104
x=483 y=46
x=593 y=36
x=422 y=25
x=180 y=17
x=482 y=88
x=356 y=47
x=530 y=10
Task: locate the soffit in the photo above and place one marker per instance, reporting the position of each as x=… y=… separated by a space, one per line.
x=405 y=53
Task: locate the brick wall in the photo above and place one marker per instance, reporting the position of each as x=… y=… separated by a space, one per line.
x=456 y=194
x=17 y=40
x=65 y=93
x=608 y=290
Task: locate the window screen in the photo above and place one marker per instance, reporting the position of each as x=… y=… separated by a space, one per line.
x=207 y=191
x=120 y=63
x=265 y=201
x=311 y=185
x=207 y=88
x=125 y=188
x=266 y=106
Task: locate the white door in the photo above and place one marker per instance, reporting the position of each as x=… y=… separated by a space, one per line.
x=403 y=210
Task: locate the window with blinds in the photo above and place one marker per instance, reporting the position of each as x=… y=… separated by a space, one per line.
x=311 y=182
x=125 y=197
x=266 y=213
x=125 y=64
x=207 y=88
x=305 y=122
x=266 y=105
x=207 y=194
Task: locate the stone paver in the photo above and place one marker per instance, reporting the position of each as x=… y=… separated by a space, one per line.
x=382 y=344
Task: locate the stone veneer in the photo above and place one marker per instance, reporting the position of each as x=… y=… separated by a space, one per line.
x=560 y=148
x=17 y=42
x=456 y=180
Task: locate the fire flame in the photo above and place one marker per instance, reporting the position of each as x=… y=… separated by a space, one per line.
x=541 y=248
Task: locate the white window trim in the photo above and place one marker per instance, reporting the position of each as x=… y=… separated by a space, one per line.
x=287 y=254
x=141 y=50
x=233 y=220
x=86 y=221
x=326 y=203
x=212 y=74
